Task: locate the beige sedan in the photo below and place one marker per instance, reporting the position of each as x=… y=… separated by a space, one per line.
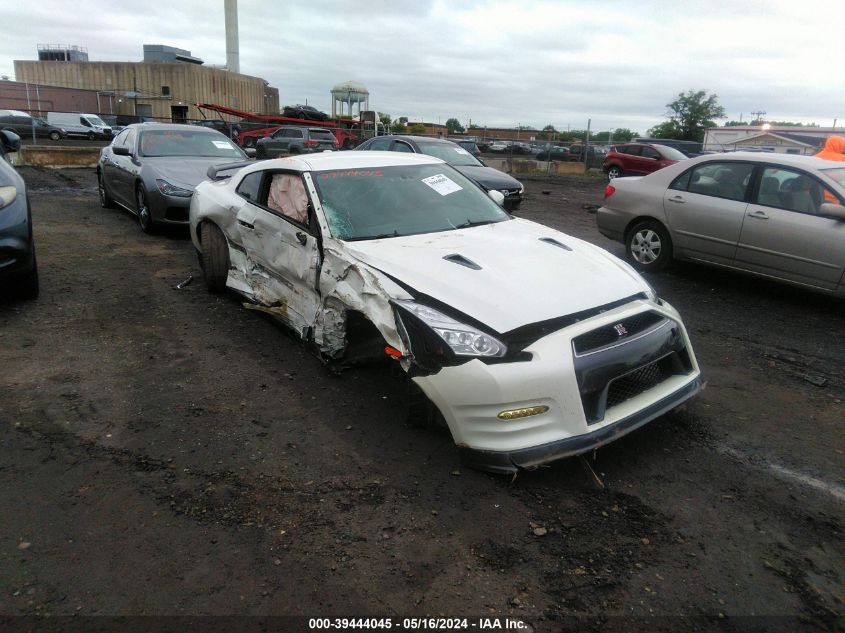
x=774 y=215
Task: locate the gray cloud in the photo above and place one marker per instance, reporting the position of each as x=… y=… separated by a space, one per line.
x=496 y=62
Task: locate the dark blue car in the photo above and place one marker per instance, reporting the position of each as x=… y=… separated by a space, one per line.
x=18 y=269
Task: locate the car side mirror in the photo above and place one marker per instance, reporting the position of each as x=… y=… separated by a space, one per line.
x=832 y=210
x=9 y=141
x=121 y=151
x=497 y=196
x=251 y=152
x=482 y=162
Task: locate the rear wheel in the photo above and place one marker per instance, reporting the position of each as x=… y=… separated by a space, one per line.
x=249 y=141
x=614 y=171
x=301 y=116
x=214 y=257
x=649 y=246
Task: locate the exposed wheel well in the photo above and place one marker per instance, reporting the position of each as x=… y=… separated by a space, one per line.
x=364 y=342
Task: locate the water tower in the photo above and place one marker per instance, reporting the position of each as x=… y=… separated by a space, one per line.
x=346 y=95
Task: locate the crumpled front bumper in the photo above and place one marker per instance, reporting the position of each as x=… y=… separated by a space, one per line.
x=576 y=389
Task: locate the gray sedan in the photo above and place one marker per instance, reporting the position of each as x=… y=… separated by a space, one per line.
x=151 y=169
x=774 y=215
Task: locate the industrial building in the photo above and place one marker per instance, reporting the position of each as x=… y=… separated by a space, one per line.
x=802 y=140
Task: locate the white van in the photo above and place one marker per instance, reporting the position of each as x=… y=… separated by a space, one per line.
x=80 y=124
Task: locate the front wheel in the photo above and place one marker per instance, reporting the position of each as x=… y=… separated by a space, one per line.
x=91 y=136
x=649 y=246
x=55 y=136
x=145 y=218
x=105 y=199
x=614 y=171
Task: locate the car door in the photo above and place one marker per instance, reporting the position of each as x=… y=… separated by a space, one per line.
x=784 y=234
x=279 y=235
x=122 y=172
x=649 y=160
x=275 y=143
x=705 y=207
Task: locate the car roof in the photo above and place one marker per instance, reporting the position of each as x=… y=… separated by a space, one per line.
x=328 y=161
x=417 y=139
x=171 y=126
x=793 y=160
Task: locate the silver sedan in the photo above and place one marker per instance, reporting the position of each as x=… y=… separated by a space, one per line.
x=774 y=215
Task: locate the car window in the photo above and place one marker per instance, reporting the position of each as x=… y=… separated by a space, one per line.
x=721 y=179
x=362 y=204
x=631 y=150
x=793 y=191
x=323 y=135
x=681 y=183
x=402 y=146
x=129 y=141
x=120 y=138
x=450 y=152
x=380 y=144
x=278 y=134
x=295 y=133
x=250 y=187
x=187 y=142
x=286 y=195
x=648 y=152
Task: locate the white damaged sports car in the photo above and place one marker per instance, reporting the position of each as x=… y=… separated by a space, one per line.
x=532 y=345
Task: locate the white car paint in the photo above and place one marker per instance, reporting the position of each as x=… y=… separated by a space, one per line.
x=518 y=280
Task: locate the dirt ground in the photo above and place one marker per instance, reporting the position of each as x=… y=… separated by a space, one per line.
x=167 y=452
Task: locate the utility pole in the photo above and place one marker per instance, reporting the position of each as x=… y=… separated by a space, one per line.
x=758 y=116
x=587 y=143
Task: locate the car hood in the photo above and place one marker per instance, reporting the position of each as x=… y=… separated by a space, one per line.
x=518 y=279
x=183 y=171
x=488 y=177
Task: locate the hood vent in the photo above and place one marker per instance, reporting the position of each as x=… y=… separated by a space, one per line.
x=463 y=261
x=554 y=242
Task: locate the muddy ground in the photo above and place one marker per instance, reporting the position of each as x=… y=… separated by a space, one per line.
x=167 y=452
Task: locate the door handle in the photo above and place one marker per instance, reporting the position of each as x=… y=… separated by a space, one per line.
x=246 y=225
x=676 y=200
x=303 y=239
x=760 y=215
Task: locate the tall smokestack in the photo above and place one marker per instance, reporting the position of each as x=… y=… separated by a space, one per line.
x=233 y=62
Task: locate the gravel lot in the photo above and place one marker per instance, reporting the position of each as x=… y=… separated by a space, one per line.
x=167 y=452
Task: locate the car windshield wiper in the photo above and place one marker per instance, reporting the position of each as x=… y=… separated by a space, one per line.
x=373 y=237
x=470 y=223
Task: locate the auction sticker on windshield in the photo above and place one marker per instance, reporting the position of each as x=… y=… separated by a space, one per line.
x=442 y=185
x=222 y=144
x=461 y=150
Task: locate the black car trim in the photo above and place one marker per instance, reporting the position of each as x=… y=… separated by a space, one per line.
x=510 y=462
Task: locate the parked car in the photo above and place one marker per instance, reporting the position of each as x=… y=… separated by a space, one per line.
x=529 y=344
x=151 y=169
x=305 y=112
x=80 y=124
x=636 y=159
x=556 y=153
x=499 y=147
x=18 y=266
x=296 y=140
x=215 y=124
x=519 y=147
x=22 y=124
x=457 y=157
x=775 y=215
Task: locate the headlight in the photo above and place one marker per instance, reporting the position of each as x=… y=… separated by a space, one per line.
x=464 y=340
x=172 y=190
x=7 y=196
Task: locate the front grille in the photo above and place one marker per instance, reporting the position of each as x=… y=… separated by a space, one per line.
x=635 y=383
x=616 y=332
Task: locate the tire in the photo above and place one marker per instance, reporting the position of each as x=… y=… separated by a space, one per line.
x=105 y=199
x=91 y=136
x=55 y=136
x=648 y=246
x=26 y=286
x=249 y=141
x=145 y=218
x=293 y=149
x=614 y=171
x=214 y=257
x=301 y=116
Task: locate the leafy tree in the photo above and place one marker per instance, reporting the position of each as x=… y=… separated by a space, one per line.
x=403 y=120
x=757 y=122
x=549 y=128
x=418 y=128
x=454 y=126
x=619 y=135
x=689 y=115
x=397 y=127
x=384 y=118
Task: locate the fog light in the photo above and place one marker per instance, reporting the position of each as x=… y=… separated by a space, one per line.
x=515 y=414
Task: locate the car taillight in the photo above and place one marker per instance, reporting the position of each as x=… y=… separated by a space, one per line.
x=310 y=143
x=609 y=191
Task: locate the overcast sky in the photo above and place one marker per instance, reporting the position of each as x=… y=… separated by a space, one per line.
x=498 y=63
